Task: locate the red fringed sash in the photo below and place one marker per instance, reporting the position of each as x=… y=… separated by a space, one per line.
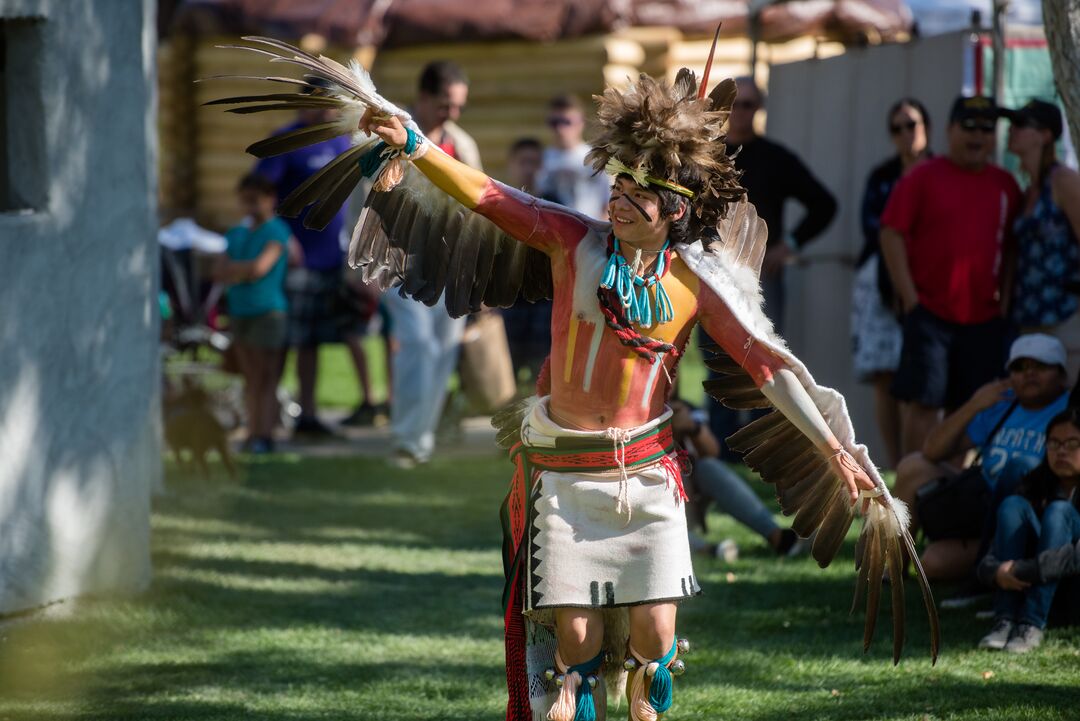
x=654 y=446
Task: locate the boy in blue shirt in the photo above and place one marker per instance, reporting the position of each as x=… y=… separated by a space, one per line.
x=254 y=269
x=1032 y=394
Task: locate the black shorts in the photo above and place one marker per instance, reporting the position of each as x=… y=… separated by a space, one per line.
x=942 y=364
x=318 y=309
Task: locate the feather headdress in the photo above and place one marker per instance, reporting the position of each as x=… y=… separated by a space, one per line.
x=669 y=137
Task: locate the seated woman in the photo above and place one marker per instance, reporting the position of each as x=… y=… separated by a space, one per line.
x=1035 y=560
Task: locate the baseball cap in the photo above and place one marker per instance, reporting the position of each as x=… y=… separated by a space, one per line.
x=1038 y=346
x=1037 y=113
x=975 y=107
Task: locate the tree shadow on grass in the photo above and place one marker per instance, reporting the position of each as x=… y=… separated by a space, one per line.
x=444 y=505
x=375 y=601
x=361 y=690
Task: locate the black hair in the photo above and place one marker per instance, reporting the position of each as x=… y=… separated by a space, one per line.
x=525 y=144
x=566 y=102
x=1040 y=485
x=439 y=75
x=910 y=102
x=258 y=183
x=670 y=202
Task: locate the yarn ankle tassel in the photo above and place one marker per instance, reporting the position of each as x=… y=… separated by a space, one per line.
x=647 y=705
x=565 y=707
x=660 y=692
x=586 y=705
x=575 y=701
x=640 y=708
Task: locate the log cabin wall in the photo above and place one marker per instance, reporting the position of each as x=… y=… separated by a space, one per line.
x=202 y=148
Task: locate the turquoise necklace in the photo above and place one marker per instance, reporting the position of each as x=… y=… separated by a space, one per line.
x=633 y=289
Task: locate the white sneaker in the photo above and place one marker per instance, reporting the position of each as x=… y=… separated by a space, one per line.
x=1025 y=638
x=999 y=635
x=402 y=460
x=727 y=550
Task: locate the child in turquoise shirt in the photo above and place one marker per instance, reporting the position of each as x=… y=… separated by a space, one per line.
x=254 y=268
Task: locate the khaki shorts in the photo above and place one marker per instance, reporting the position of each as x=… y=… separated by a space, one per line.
x=261 y=331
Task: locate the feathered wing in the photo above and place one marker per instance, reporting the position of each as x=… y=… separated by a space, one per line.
x=806 y=487
x=411 y=233
x=419 y=237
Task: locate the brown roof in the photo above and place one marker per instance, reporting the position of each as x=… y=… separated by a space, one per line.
x=399 y=23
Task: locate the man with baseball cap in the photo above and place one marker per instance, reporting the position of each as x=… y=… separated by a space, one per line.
x=942 y=236
x=1006 y=419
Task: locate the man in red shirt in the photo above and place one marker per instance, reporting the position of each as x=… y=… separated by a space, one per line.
x=942 y=236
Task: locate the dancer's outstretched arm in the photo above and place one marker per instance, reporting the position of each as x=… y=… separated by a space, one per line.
x=516 y=213
x=782 y=388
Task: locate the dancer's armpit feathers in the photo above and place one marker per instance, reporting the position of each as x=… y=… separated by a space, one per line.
x=808 y=488
x=421 y=238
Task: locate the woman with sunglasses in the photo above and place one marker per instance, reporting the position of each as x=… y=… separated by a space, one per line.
x=1035 y=559
x=1047 y=270
x=875 y=332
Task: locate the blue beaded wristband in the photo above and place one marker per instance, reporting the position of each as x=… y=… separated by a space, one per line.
x=411 y=141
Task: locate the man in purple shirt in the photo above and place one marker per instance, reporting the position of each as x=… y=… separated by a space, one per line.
x=316 y=313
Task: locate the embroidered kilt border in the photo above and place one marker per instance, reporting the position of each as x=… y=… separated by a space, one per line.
x=571 y=455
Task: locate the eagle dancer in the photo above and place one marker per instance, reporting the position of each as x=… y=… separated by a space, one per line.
x=595 y=547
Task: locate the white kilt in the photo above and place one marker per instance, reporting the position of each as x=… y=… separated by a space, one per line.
x=584 y=552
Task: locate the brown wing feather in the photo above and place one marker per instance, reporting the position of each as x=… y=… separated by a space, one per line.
x=807 y=488
x=294 y=140
x=443 y=249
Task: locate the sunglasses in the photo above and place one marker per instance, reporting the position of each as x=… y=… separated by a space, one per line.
x=971 y=125
x=900 y=127
x=559 y=122
x=744 y=105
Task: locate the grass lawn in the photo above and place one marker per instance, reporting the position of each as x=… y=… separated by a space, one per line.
x=336 y=589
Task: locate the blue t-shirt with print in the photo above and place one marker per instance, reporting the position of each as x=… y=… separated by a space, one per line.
x=1017 y=447
x=267 y=294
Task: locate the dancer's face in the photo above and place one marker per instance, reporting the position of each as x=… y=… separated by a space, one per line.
x=635 y=214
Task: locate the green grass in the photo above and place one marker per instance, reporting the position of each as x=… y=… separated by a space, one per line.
x=337 y=589
x=336 y=385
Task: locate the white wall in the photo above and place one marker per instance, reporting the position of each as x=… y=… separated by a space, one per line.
x=832 y=114
x=79 y=372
